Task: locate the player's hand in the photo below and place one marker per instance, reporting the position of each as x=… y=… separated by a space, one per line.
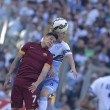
x=7 y=81
x=33 y=87
x=74 y=73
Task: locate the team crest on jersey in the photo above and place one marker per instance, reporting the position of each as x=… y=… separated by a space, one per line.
x=57 y=47
x=44 y=54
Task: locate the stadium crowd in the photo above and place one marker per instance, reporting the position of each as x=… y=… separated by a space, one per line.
x=88 y=37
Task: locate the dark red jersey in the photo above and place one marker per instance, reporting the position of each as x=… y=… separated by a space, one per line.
x=34 y=58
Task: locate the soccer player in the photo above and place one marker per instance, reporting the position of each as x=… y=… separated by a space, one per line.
x=60 y=49
x=100 y=88
x=35 y=61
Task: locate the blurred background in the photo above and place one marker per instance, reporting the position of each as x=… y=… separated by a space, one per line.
x=88 y=36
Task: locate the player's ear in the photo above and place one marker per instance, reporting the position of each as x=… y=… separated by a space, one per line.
x=44 y=38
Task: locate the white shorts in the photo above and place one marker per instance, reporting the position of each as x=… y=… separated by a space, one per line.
x=49 y=83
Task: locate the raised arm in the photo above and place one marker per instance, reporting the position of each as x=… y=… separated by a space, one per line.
x=70 y=60
x=12 y=68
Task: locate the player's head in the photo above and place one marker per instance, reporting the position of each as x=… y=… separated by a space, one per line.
x=50 y=39
x=61 y=36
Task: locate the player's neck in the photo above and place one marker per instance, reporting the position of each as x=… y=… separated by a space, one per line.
x=59 y=41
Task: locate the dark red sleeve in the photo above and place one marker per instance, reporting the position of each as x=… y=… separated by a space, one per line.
x=25 y=48
x=49 y=60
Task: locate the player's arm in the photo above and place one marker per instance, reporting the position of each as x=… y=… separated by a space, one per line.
x=12 y=68
x=70 y=60
x=52 y=71
x=91 y=94
x=84 y=103
x=42 y=76
x=16 y=61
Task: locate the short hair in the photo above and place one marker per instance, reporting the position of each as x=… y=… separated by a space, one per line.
x=53 y=34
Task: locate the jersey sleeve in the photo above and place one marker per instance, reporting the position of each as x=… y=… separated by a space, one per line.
x=93 y=88
x=49 y=61
x=66 y=49
x=25 y=48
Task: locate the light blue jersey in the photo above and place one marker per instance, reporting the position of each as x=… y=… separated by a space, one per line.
x=59 y=51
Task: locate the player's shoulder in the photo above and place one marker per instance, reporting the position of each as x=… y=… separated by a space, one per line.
x=64 y=44
x=102 y=79
x=26 y=44
x=30 y=43
x=97 y=81
x=105 y=78
x=35 y=43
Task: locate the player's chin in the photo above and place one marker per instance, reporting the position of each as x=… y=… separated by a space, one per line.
x=49 y=45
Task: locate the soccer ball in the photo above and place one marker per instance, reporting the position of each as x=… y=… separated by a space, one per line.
x=60 y=25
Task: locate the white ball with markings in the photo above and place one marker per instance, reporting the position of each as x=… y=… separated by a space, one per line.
x=60 y=25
